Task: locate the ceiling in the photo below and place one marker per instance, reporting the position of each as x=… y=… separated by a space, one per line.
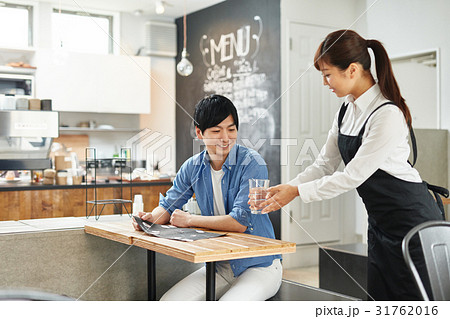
x=174 y=8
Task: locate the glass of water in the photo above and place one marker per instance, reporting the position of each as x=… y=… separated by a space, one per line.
x=258 y=192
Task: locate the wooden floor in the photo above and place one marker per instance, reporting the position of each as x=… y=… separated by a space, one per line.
x=307 y=275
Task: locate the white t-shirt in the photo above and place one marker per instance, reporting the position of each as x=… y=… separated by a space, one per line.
x=216 y=179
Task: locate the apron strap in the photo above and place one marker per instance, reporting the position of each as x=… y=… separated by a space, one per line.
x=361 y=132
x=414 y=146
x=436 y=191
x=411 y=133
x=341 y=115
x=363 y=128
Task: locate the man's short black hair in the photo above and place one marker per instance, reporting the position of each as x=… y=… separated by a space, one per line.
x=212 y=110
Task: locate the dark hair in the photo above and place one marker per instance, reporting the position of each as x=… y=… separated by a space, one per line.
x=212 y=110
x=343 y=47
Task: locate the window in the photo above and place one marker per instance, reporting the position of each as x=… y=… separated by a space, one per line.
x=82 y=32
x=16 y=28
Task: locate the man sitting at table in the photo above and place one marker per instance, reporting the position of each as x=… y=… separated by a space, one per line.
x=219 y=178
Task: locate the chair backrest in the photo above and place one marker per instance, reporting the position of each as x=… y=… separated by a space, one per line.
x=24 y=294
x=435 y=241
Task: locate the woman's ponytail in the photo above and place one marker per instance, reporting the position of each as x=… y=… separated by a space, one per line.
x=386 y=80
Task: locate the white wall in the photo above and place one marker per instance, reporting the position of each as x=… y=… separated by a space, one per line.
x=341 y=14
x=162 y=116
x=407 y=26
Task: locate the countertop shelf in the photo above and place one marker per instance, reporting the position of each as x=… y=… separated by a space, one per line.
x=16 y=70
x=88 y=129
x=18 y=49
x=25 y=186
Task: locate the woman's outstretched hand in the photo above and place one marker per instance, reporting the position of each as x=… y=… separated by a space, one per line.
x=277 y=197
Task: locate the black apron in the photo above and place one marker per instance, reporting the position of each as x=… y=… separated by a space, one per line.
x=394 y=207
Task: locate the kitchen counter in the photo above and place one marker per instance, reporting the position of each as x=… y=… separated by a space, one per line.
x=28 y=201
x=23 y=186
x=53 y=224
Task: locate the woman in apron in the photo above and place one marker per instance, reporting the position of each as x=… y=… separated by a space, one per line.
x=370 y=134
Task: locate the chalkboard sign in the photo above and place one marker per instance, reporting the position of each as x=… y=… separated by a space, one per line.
x=234 y=47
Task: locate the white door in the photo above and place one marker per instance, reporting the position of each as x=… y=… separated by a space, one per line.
x=310 y=109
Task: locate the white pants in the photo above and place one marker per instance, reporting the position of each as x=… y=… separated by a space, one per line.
x=255 y=283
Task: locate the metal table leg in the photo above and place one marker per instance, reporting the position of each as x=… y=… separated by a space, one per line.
x=151 y=274
x=211 y=281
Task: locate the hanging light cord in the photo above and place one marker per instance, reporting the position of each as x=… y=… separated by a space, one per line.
x=59 y=16
x=184 y=25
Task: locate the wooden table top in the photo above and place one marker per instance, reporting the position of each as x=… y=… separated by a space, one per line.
x=230 y=246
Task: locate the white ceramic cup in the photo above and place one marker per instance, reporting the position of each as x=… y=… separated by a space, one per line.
x=138 y=204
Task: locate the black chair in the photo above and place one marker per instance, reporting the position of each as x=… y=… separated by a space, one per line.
x=31 y=295
x=435 y=241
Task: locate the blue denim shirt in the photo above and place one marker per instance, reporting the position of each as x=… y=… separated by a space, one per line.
x=241 y=164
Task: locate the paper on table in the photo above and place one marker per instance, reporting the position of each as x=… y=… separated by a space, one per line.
x=172 y=232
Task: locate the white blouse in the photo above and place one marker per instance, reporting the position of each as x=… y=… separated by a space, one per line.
x=384 y=146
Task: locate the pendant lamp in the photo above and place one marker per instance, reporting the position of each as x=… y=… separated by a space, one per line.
x=184 y=67
x=159 y=7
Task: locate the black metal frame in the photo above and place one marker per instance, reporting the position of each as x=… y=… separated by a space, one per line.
x=93 y=162
x=151 y=278
x=211 y=281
